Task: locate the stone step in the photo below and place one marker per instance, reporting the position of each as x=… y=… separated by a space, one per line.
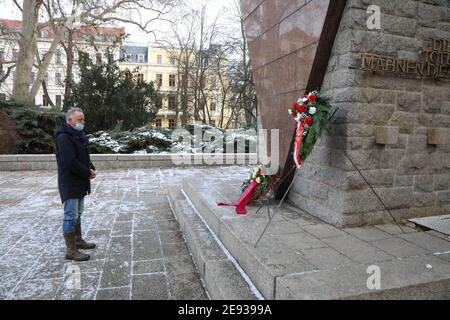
x=263 y=279
x=400 y=279
x=333 y=269
x=222 y=279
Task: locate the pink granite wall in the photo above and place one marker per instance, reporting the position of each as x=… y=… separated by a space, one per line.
x=283 y=36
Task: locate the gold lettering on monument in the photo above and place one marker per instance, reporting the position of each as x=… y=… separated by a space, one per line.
x=436 y=62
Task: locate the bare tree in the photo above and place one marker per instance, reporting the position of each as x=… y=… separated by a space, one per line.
x=179 y=43
x=62 y=15
x=243 y=101
x=9 y=38
x=211 y=53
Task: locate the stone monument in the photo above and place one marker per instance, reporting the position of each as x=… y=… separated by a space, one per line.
x=386 y=65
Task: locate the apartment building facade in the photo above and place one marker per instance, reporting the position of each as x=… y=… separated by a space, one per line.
x=150 y=62
x=97 y=42
x=156 y=63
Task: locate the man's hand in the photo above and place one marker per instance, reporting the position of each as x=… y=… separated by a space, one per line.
x=93 y=174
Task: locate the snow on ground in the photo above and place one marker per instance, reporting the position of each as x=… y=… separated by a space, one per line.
x=140 y=251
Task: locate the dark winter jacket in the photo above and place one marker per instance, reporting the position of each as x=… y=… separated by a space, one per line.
x=74 y=163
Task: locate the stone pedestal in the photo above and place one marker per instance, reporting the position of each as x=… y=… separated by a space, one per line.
x=289 y=42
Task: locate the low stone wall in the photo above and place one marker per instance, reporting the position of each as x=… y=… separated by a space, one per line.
x=127 y=161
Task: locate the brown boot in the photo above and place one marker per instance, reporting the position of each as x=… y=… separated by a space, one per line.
x=72 y=252
x=81 y=244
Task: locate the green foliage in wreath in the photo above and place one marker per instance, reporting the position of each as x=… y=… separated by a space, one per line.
x=318 y=127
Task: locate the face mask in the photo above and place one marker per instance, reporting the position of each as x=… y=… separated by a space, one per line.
x=79 y=127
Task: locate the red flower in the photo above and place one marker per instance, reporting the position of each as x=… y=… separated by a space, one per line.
x=309 y=121
x=294 y=105
x=312 y=98
x=301 y=108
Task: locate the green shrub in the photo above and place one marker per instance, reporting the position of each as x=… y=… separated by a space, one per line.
x=137 y=140
x=35 y=125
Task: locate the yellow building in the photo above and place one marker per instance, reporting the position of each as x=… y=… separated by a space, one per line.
x=154 y=63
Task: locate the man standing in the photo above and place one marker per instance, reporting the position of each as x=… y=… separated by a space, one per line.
x=75 y=171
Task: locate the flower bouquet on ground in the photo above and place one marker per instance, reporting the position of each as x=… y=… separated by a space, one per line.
x=256 y=186
x=265 y=183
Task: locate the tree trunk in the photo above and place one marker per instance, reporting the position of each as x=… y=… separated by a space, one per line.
x=44 y=64
x=47 y=96
x=69 y=71
x=27 y=51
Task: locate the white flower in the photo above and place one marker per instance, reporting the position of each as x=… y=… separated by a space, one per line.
x=258 y=180
x=312 y=110
x=305 y=100
x=298 y=117
x=290 y=112
x=301 y=101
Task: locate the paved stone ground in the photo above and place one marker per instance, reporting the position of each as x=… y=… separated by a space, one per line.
x=140 y=251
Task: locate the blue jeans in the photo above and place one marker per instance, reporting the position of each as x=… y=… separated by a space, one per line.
x=73 y=208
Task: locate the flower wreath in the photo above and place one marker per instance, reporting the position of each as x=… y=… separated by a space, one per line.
x=311 y=113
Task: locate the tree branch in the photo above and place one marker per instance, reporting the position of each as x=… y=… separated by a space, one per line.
x=18 y=5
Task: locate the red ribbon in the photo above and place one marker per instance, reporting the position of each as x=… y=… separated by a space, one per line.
x=298 y=143
x=246 y=196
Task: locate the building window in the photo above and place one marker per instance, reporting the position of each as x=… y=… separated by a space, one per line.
x=159 y=80
x=15 y=54
x=2 y=55
x=172 y=102
x=128 y=57
x=98 y=58
x=184 y=80
x=58 y=101
x=141 y=58
x=159 y=59
x=140 y=77
x=46 y=77
x=44 y=101
x=110 y=58
x=171 y=123
x=2 y=96
x=158 y=123
x=213 y=106
x=43 y=33
x=159 y=101
x=172 y=61
x=202 y=82
x=58 y=57
x=58 y=80
x=172 y=80
x=128 y=74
